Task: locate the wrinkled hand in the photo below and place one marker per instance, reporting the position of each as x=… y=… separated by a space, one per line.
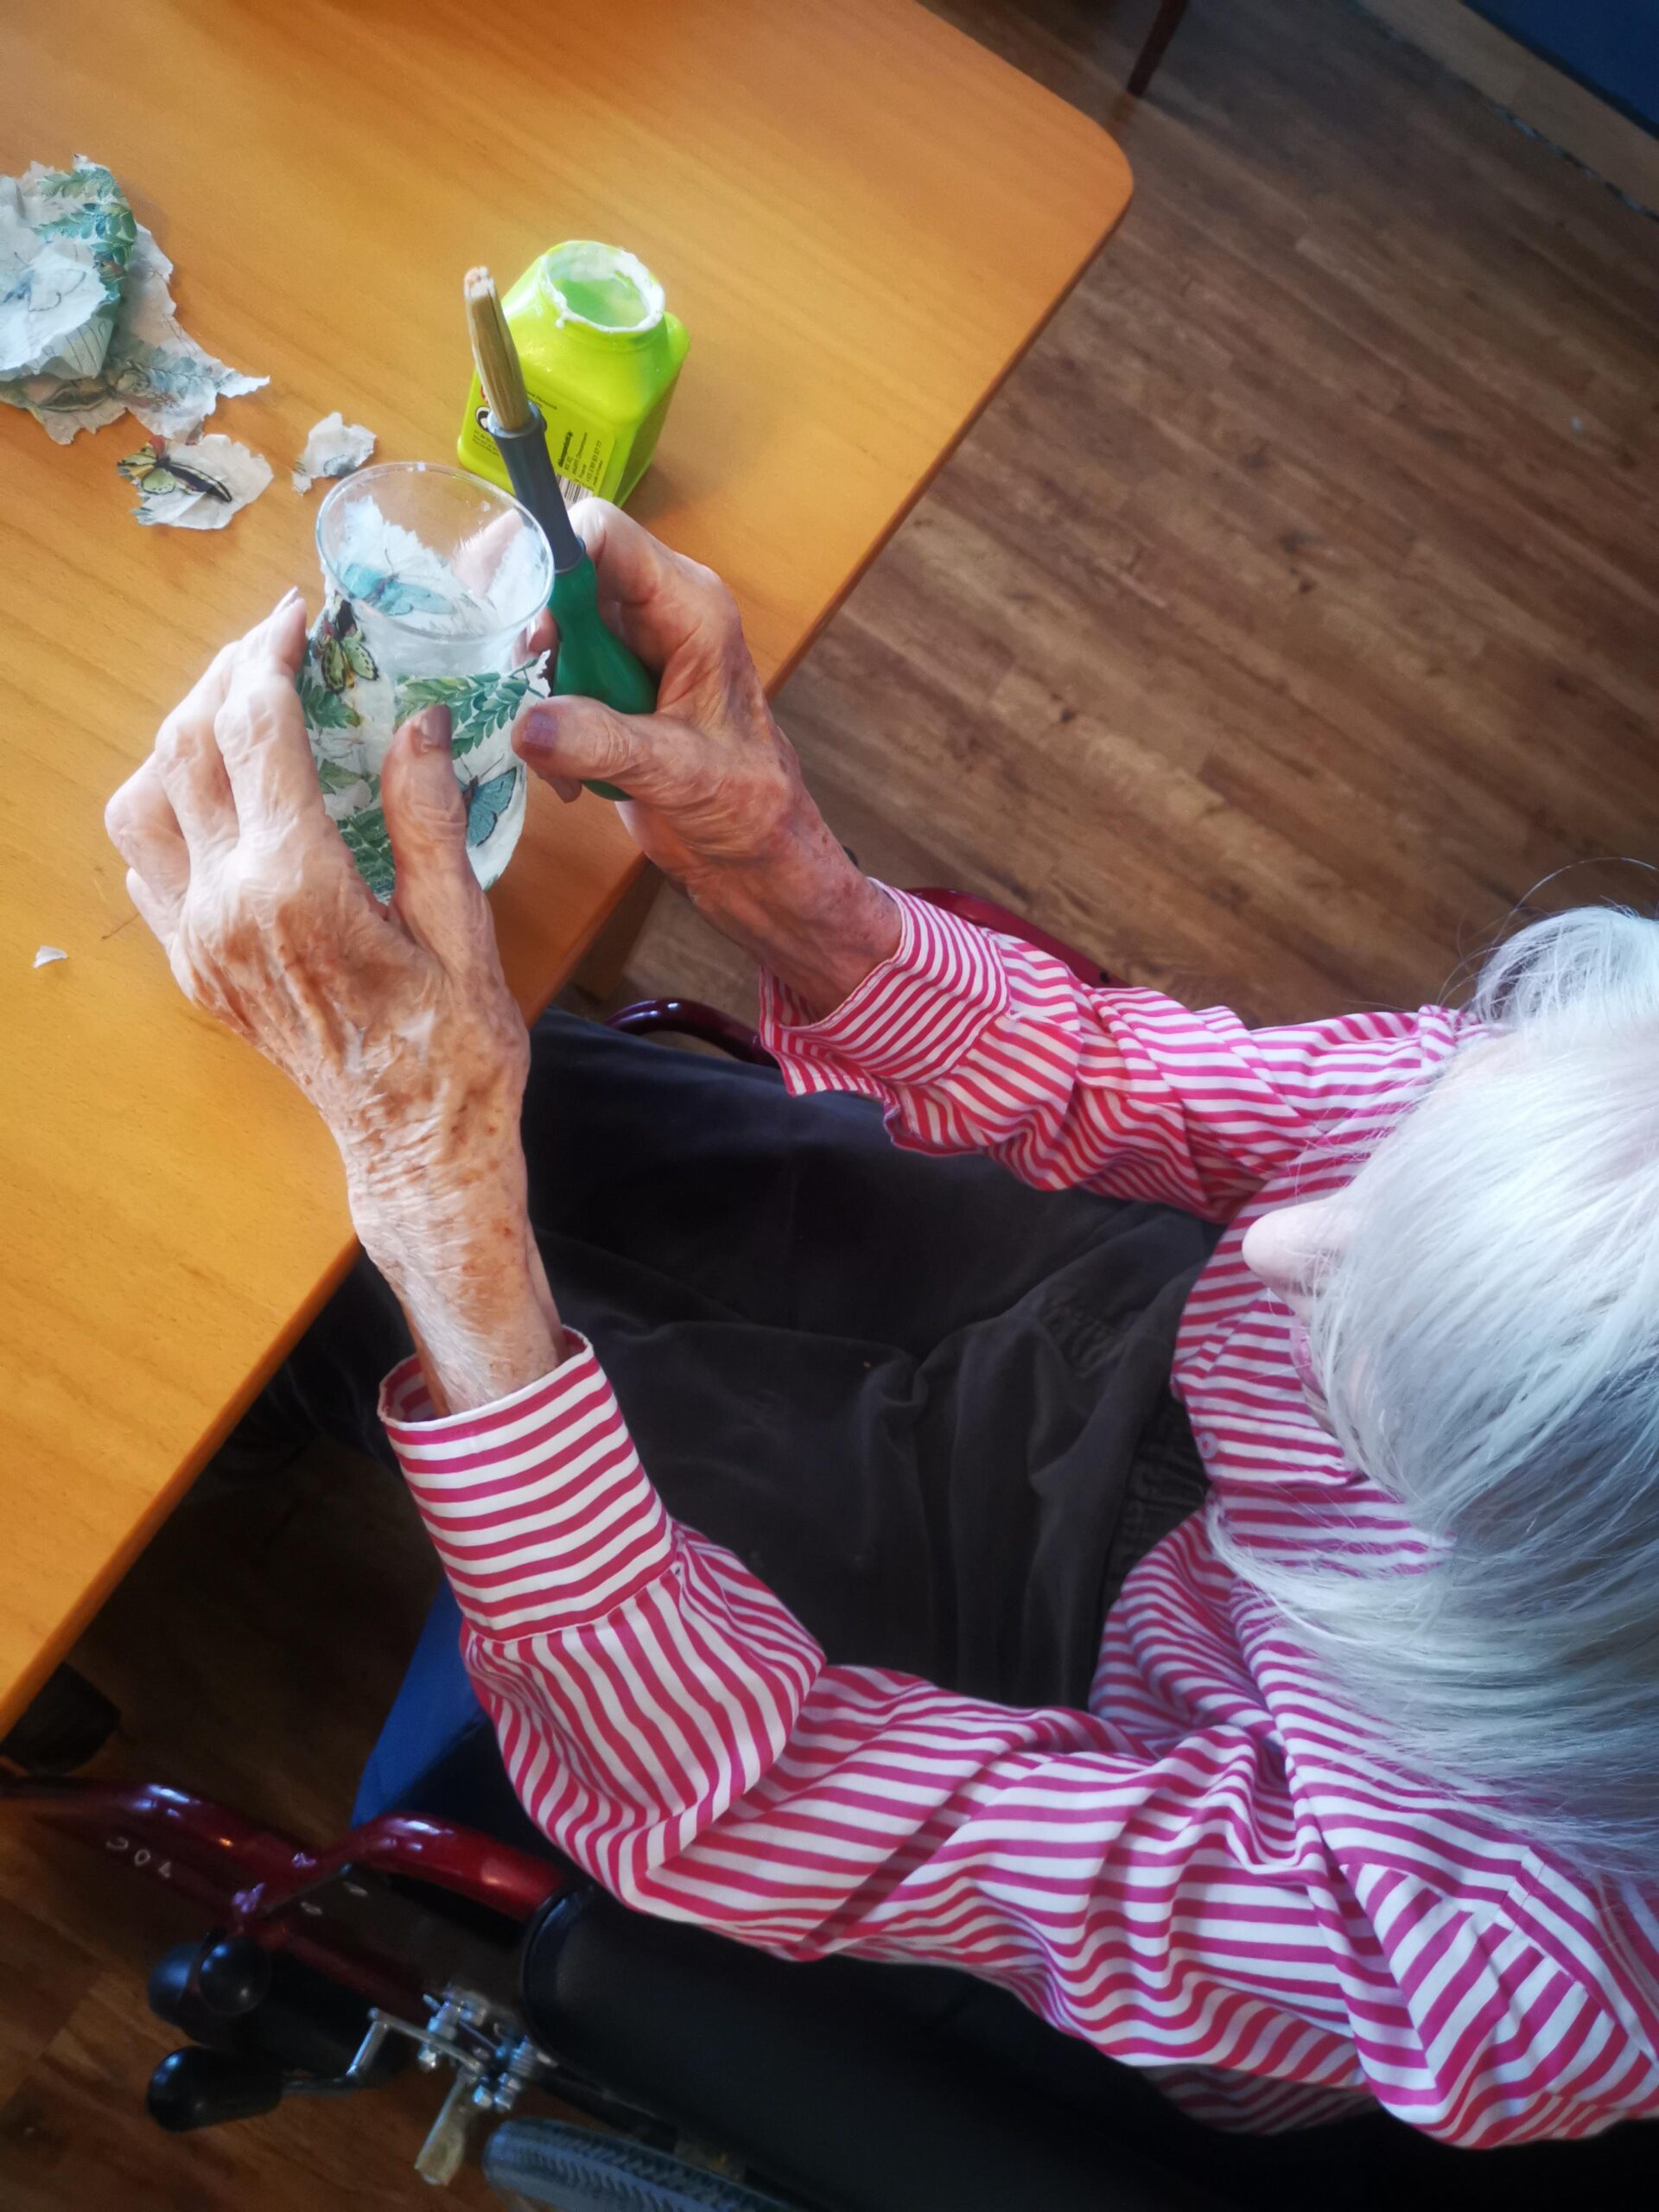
x=715 y=795
x=397 y=1023
x=710 y=777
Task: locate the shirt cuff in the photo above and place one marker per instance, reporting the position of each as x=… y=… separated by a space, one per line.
x=538 y=1506
x=910 y=1021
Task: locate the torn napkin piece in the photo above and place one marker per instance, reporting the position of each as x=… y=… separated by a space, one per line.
x=47 y=954
x=87 y=326
x=194 y=486
x=335 y=447
x=65 y=239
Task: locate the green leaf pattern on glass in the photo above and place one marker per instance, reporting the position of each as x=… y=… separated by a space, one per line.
x=479 y=705
x=351 y=727
x=336 y=777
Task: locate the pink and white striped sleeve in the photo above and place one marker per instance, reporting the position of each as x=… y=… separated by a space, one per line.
x=974 y=1042
x=674 y=1731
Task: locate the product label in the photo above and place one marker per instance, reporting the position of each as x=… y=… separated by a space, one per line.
x=580 y=450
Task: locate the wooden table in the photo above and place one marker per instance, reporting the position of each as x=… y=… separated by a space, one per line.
x=864 y=218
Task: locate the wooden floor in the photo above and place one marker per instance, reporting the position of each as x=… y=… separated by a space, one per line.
x=1293 y=612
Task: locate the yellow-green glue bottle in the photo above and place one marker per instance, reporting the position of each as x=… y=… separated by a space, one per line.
x=601 y=355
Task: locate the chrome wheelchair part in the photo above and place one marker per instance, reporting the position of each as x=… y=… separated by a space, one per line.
x=492 y=2059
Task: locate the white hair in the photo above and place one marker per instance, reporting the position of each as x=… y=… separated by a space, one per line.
x=1488 y=1340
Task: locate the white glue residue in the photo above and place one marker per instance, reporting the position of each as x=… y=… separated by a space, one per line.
x=585 y=267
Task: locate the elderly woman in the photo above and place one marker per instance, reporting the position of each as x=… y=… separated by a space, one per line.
x=880 y=1607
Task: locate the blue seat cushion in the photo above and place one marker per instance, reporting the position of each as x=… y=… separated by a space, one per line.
x=436 y=1752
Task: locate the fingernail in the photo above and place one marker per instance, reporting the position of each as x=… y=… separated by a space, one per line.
x=539 y=725
x=287 y=598
x=432 y=728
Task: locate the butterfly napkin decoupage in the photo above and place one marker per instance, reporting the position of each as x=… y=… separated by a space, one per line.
x=353 y=705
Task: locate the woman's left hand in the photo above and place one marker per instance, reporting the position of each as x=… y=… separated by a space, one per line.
x=396 y=1022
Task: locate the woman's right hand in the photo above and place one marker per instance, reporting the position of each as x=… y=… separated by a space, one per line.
x=716 y=796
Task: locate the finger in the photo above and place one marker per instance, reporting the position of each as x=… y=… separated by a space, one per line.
x=260 y=732
x=657 y=600
x=541 y=637
x=476 y=559
x=193 y=776
x=279 y=635
x=438 y=898
x=278 y=642
x=207 y=695
x=144 y=830
x=161 y=915
x=191 y=767
x=574 y=739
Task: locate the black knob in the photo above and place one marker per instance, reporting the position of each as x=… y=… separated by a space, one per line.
x=203 y=2089
x=234 y=1975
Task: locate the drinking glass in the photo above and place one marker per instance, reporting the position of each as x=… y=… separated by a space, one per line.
x=431 y=580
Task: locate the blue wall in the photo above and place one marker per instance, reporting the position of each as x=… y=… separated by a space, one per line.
x=1612 y=46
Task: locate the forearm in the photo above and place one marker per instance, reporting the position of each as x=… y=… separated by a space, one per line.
x=803 y=911
x=971 y=1041
x=464 y=1267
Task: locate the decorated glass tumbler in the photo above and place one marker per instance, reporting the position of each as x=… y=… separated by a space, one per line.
x=432 y=580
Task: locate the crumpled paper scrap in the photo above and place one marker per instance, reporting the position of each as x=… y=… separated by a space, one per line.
x=46 y=955
x=198 y=486
x=335 y=447
x=87 y=326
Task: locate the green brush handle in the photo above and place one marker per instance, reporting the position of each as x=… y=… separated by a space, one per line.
x=591 y=659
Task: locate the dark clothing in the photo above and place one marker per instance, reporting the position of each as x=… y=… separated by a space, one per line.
x=927 y=1405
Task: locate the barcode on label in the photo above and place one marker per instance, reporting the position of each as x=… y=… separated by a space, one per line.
x=572 y=491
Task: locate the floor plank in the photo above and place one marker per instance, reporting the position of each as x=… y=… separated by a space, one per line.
x=44 y=1974
x=1291 y=616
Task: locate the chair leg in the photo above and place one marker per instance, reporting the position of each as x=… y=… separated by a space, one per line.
x=1163 y=30
x=67 y=1723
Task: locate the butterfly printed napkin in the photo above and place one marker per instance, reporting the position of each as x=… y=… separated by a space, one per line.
x=194 y=486
x=353 y=705
x=87 y=326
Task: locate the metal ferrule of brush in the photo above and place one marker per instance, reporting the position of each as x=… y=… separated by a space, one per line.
x=536 y=483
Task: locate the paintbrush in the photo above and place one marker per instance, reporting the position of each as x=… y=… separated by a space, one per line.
x=591 y=659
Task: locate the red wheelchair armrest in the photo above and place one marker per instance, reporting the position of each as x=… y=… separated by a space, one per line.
x=692 y=1018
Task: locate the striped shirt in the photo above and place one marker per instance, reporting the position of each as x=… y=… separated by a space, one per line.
x=1211 y=1873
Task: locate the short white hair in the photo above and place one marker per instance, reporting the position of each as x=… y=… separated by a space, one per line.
x=1489 y=1344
